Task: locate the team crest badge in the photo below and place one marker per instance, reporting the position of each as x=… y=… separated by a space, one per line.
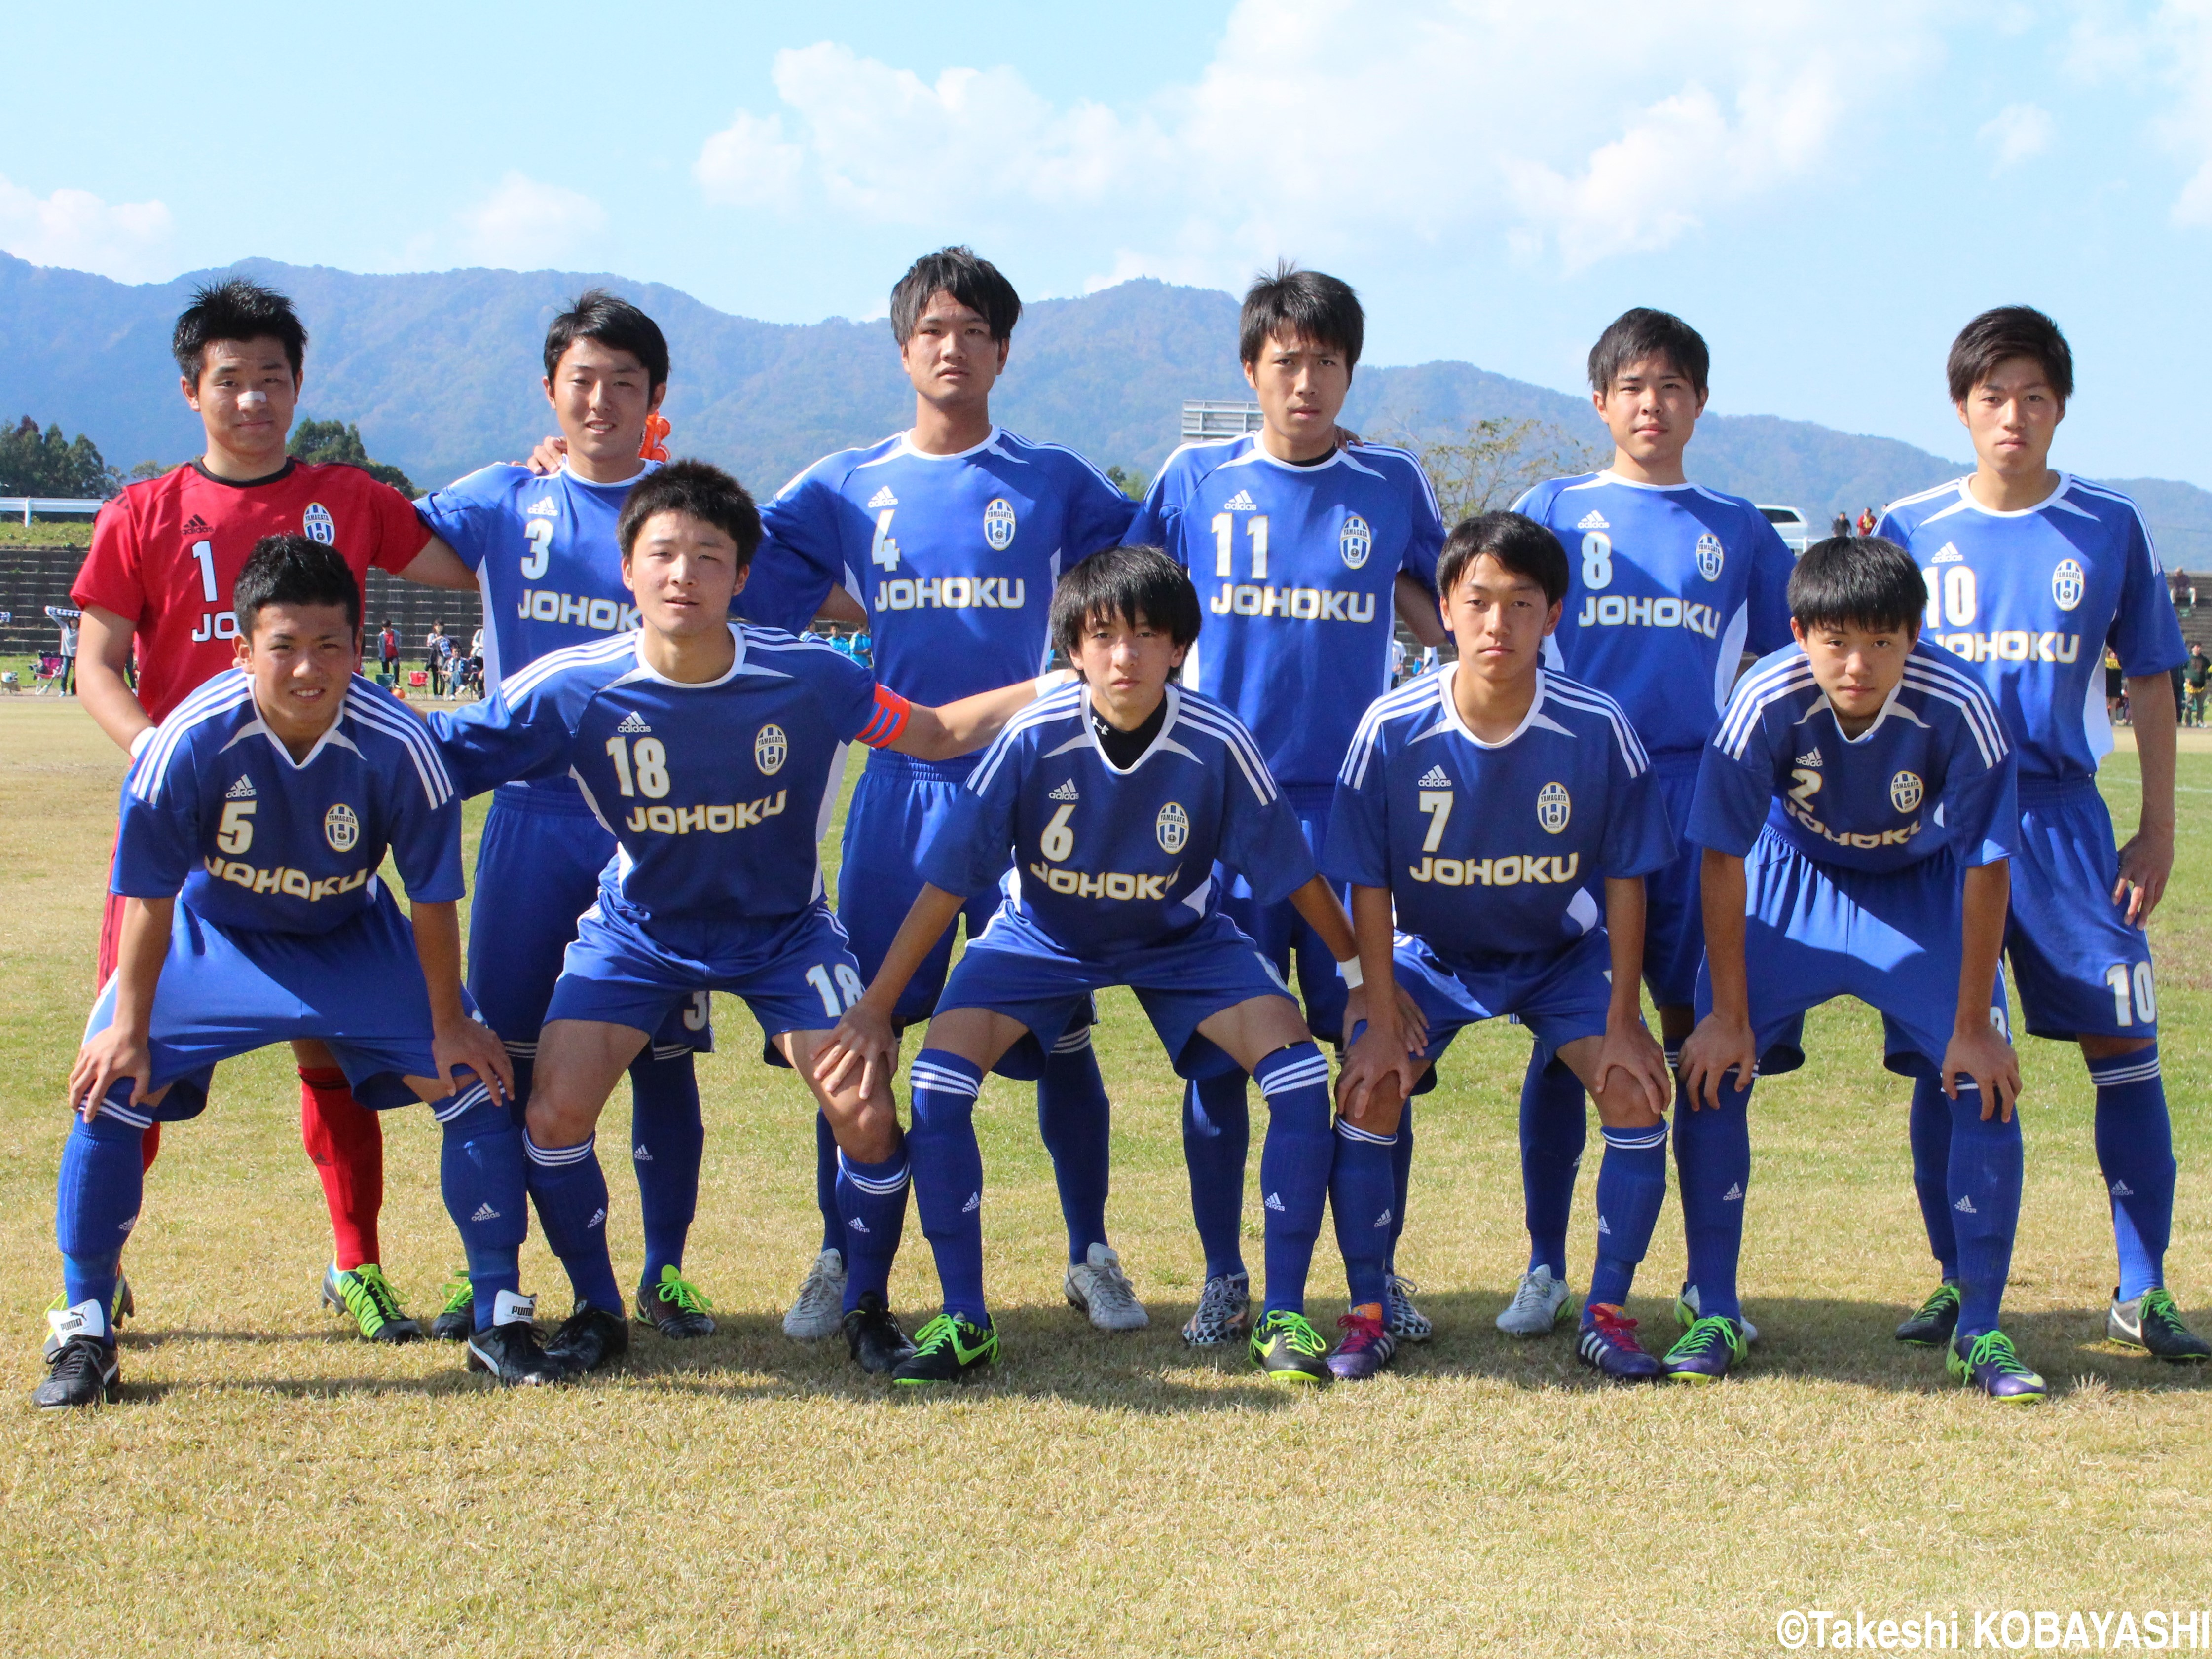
x=318 y=525
x=1173 y=827
x=770 y=749
x=998 y=524
x=1553 y=808
x=341 y=828
x=2067 y=584
x=1905 y=790
x=1355 y=541
x=1708 y=556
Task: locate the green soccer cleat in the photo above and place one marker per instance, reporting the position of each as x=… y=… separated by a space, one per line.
x=1706 y=1351
x=365 y=1294
x=1290 y=1351
x=1988 y=1362
x=675 y=1307
x=948 y=1349
x=457 y=1317
x=1932 y=1326
x=2150 y=1323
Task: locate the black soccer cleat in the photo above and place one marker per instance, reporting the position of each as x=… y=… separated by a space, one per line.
x=873 y=1338
x=515 y=1357
x=948 y=1349
x=1937 y=1319
x=457 y=1317
x=80 y=1355
x=588 y=1338
x=2152 y=1324
x=675 y=1307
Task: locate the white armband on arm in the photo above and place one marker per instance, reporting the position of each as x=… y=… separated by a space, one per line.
x=1349 y=971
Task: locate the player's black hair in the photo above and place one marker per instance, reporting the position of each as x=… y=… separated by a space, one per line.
x=1125 y=584
x=700 y=489
x=1300 y=305
x=976 y=283
x=1641 y=333
x=2009 y=331
x=293 y=570
x=616 y=324
x=1857 y=581
x=236 y=310
x=1521 y=544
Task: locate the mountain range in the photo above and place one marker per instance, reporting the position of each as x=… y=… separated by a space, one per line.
x=440 y=370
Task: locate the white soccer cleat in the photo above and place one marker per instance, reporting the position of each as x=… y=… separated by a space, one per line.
x=1687 y=1311
x=1098 y=1288
x=819 y=1310
x=1405 y=1322
x=1540 y=1303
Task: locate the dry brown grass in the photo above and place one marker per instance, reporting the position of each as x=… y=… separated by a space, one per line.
x=270 y=1487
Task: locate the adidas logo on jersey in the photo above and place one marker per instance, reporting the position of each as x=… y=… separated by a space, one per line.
x=1241 y=502
x=1949 y=555
x=599 y=1215
x=975 y=1203
x=1965 y=1206
x=196 y=525
x=2122 y=1190
x=1593 y=520
x=882 y=498
x=545 y=509
x=1810 y=758
x=485 y=1213
x=1064 y=792
x=633 y=722
x=241 y=790
x=1734 y=1194
x=1275 y=1202
x=1436 y=779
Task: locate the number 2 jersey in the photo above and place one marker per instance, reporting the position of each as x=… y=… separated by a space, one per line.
x=217 y=809
x=713 y=792
x=1107 y=860
x=2031 y=599
x=1668 y=586
x=1495 y=848
x=1296 y=571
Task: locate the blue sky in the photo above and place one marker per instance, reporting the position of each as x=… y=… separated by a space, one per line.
x=1827 y=191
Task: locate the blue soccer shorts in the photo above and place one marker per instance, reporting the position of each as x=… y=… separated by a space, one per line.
x=2082 y=970
x=1286 y=938
x=794 y=972
x=1559 y=995
x=1816 y=932
x=223 y=992
x=537 y=870
x=1014 y=969
x=896 y=807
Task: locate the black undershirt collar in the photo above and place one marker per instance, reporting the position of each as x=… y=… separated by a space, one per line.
x=1124 y=747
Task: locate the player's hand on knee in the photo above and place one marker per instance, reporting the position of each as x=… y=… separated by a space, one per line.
x=1378 y=1076
x=1710 y=1052
x=1631 y=1073
x=471 y=1046
x=1981 y=1053
x=862 y=1039
x=106 y=1059
x=2146 y=866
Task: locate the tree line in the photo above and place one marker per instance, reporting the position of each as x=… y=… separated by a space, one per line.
x=48 y=463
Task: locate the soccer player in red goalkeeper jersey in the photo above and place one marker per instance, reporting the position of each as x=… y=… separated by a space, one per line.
x=164 y=556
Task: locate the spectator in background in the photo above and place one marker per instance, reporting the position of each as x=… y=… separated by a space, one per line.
x=1866 y=521
x=449 y=654
x=69 y=657
x=434 y=657
x=864 y=647
x=1397 y=660
x=2194 y=674
x=476 y=646
x=387 y=653
x=1843 y=525
x=2115 y=689
x=2176 y=675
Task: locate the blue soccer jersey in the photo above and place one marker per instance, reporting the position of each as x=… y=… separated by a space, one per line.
x=713 y=792
x=1106 y=859
x=953 y=557
x=1932 y=774
x=2031 y=598
x=1297 y=568
x=1667 y=587
x=1495 y=848
x=545 y=556
x=217 y=809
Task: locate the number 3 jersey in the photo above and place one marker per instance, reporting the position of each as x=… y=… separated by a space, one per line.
x=1667 y=587
x=1933 y=774
x=1495 y=848
x=217 y=808
x=713 y=792
x=1107 y=860
x=1296 y=569
x=2031 y=598
x=953 y=557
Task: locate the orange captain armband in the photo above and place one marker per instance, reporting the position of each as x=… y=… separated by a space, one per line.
x=888 y=720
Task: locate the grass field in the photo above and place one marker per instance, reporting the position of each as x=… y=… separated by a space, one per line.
x=269 y=1486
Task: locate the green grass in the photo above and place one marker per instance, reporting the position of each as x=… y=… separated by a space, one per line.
x=269 y=1486
x=46 y=533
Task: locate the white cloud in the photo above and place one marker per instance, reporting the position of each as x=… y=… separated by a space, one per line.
x=749 y=165
x=525 y=224
x=2016 y=133
x=73 y=227
x=2186 y=29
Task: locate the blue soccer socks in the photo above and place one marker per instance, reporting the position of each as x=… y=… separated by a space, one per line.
x=1632 y=1185
x=103 y=1178
x=2134 y=1150
x=1712 y=1163
x=1401 y=1180
x=1217 y=1139
x=570 y=1192
x=1294 y=1167
x=825 y=1181
x=483 y=1174
x=871 y=1211
x=1983 y=1199
x=1931 y=1133
x=1362 y=1195
x=948 y=1176
x=1553 y=1130
x=1075 y=1121
x=667 y=1137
